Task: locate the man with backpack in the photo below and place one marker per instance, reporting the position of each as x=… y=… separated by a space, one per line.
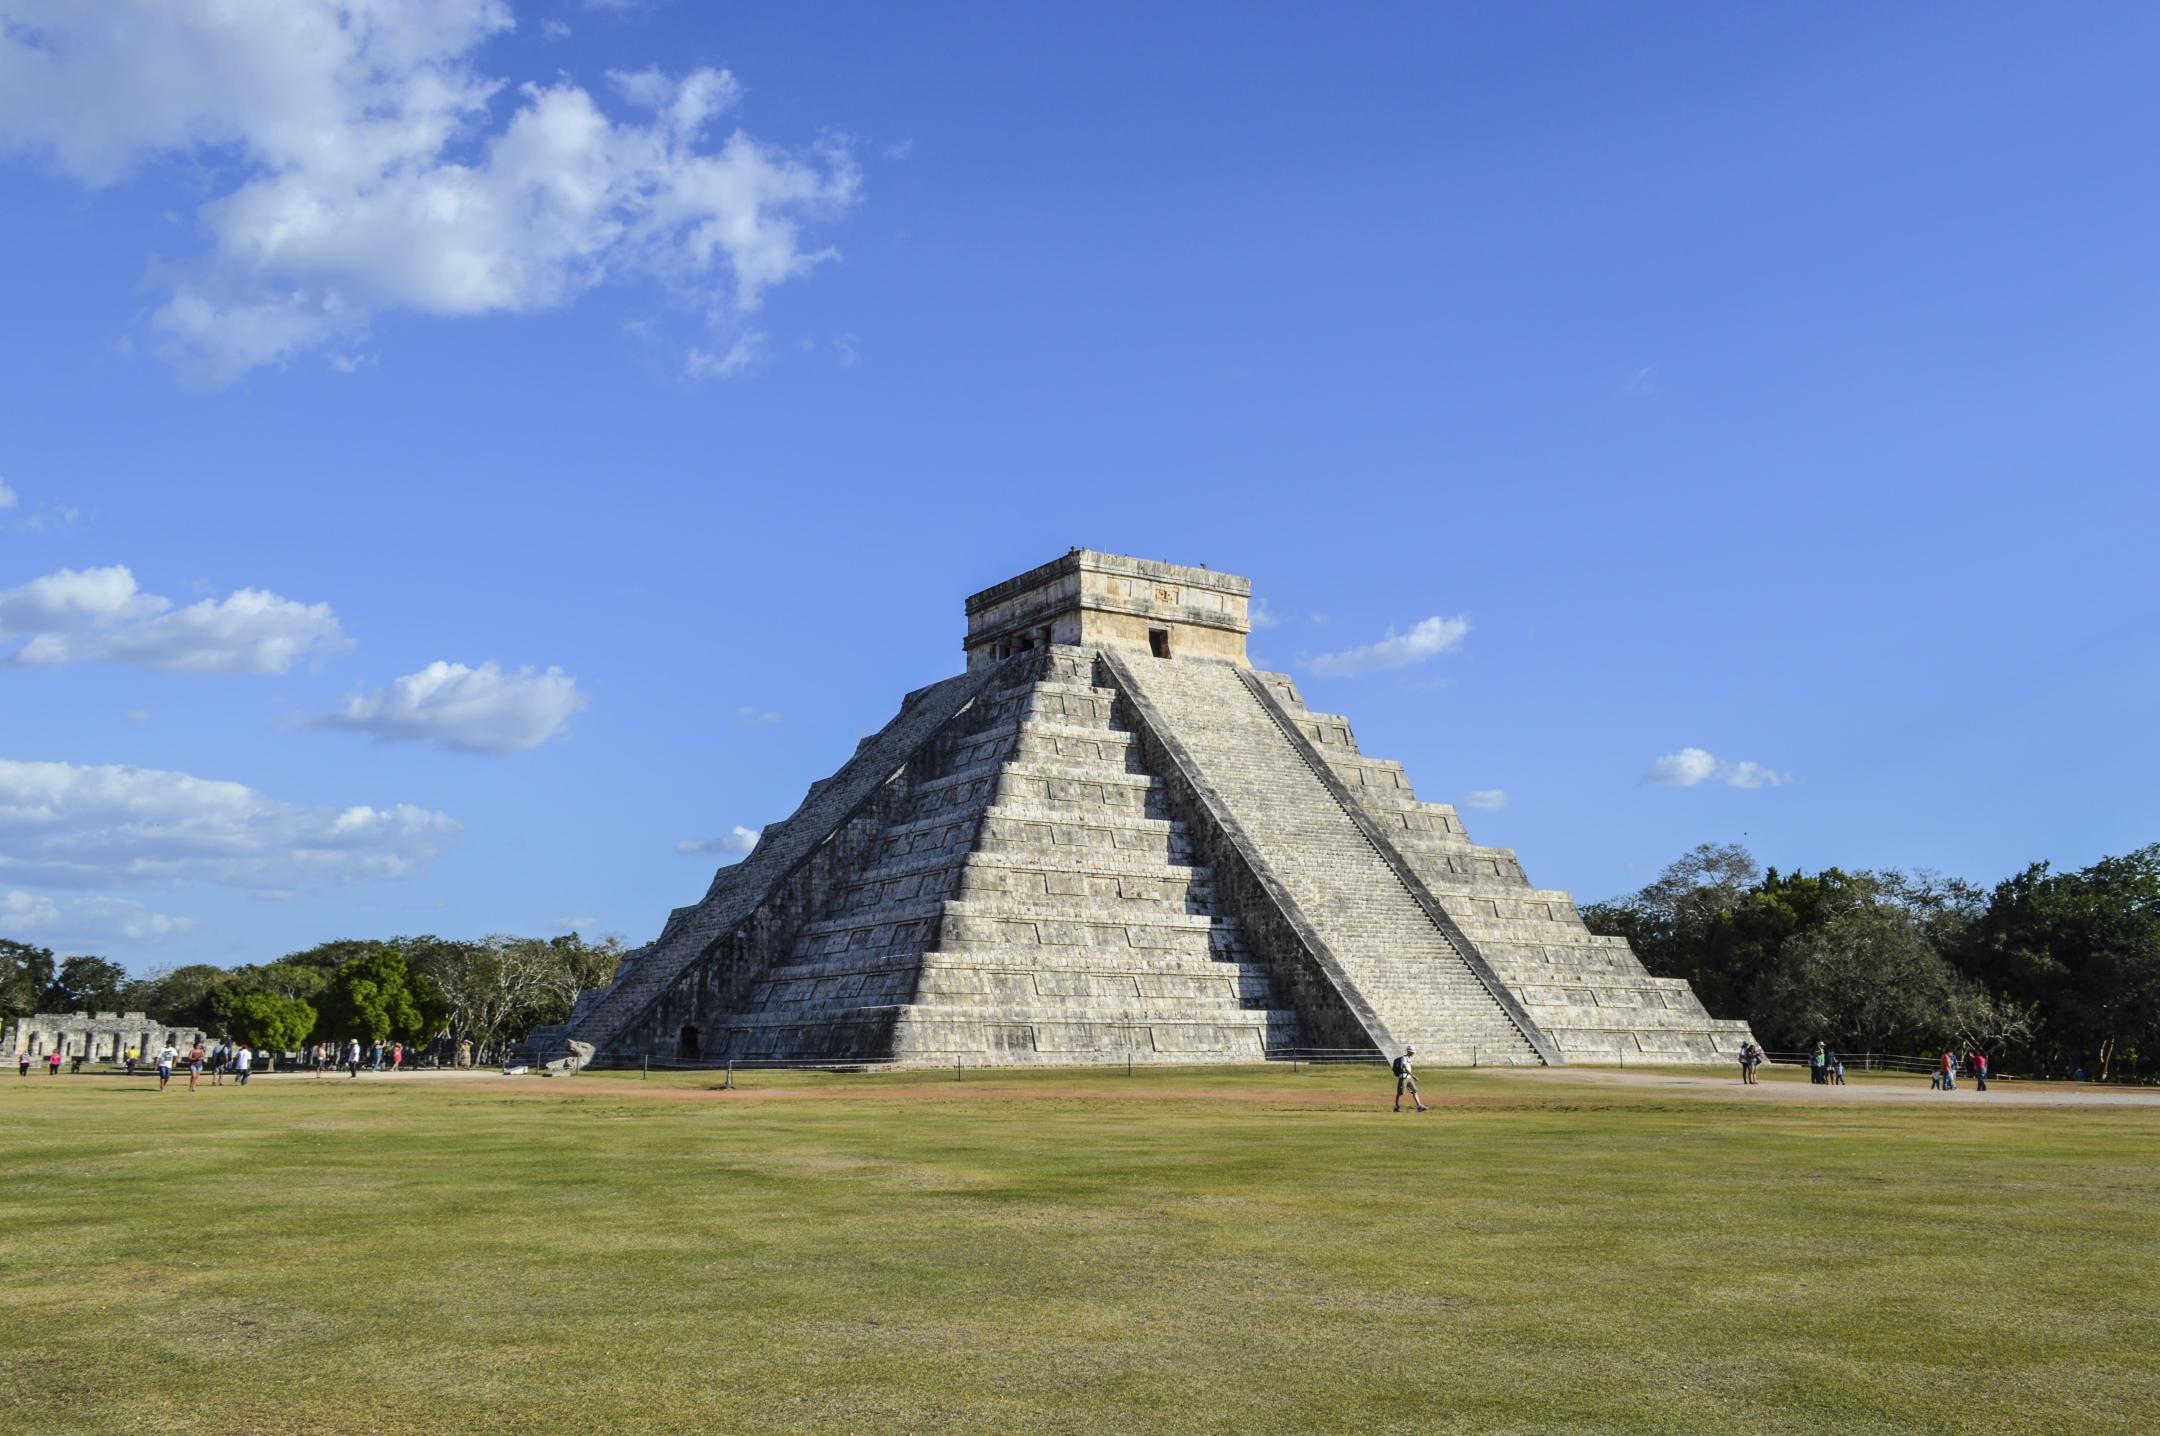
x=1405 y=1080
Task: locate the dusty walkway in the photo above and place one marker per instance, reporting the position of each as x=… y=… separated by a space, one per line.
x=2003 y=1093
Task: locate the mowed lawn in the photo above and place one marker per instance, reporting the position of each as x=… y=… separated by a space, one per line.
x=1239 y=1251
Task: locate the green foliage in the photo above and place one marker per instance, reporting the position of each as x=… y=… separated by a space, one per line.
x=2083 y=948
x=502 y=987
x=378 y=997
x=85 y=984
x=25 y=973
x=265 y=1020
x=2062 y=968
x=1866 y=977
x=183 y=996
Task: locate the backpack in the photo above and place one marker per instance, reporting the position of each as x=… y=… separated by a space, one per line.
x=1397 y=1066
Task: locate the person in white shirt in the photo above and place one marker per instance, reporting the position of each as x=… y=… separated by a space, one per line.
x=167 y=1055
x=1406 y=1080
x=243 y=1062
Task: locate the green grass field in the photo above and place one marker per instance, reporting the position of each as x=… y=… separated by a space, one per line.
x=1178 y=1251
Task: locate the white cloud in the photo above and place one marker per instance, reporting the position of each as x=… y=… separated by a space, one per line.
x=63 y=824
x=355 y=162
x=1485 y=800
x=737 y=840
x=554 y=30
x=86 y=922
x=755 y=717
x=100 y=615
x=1691 y=766
x=137 y=716
x=7 y=495
x=472 y=710
x=1427 y=638
x=1262 y=616
x=738 y=358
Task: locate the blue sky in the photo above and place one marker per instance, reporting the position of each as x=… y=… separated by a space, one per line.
x=538 y=438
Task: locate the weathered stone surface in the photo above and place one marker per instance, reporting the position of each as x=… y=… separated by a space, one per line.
x=1109 y=840
x=98 y=1036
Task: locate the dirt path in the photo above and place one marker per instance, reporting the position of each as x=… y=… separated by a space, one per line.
x=1868 y=1090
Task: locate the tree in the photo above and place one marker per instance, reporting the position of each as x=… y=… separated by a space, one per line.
x=266 y=1021
x=1669 y=923
x=25 y=973
x=182 y=996
x=1865 y=979
x=502 y=987
x=85 y=984
x=378 y=997
x=2084 y=948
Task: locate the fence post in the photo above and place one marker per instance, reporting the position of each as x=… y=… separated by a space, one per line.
x=1128 y=1064
x=956 y=1067
x=731 y=1074
x=644 y=1067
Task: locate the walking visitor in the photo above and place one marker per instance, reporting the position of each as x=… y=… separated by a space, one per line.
x=194 y=1065
x=167 y=1055
x=1819 y=1066
x=1405 y=1080
x=1979 y=1071
x=243 y=1060
x=352 y=1057
x=22 y=1064
x=52 y=1063
x=397 y=1057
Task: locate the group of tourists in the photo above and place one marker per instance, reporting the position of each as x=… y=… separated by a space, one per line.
x=377 y=1057
x=238 y=1060
x=1945 y=1075
x=1825 y=1067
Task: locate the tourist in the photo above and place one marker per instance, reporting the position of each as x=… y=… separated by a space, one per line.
x=1747 y=1064
x=1979 y=1071
x=352 y=1056
x=218 y=1056
x=397 y=1057
x=167 y=1055
x=376 y=1056
x=22 y=1063
x=1834 y=1068
x=319 y=1058
x=243 y=1059
x=131 y=1062
x=1946 y=1073
x=52 y=1063
x=1819 y=1066
x=1405 y=1080
x=195 y=1057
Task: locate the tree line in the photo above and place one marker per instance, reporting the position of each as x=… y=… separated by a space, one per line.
x=420 y=991
x=2051 y=971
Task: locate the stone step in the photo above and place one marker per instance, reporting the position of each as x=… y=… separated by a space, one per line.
x=1136 y=962
x=1405 y=966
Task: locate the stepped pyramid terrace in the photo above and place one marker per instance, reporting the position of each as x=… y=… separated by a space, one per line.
x=1109 y=838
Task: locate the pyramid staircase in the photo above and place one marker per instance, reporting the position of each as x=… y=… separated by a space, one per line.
x=1426 y=986
x=1589 y=992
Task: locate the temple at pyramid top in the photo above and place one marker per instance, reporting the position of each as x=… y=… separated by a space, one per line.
x=1110 y=839
x=1090 y=599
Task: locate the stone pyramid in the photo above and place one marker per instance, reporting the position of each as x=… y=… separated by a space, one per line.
x=1110 y=839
